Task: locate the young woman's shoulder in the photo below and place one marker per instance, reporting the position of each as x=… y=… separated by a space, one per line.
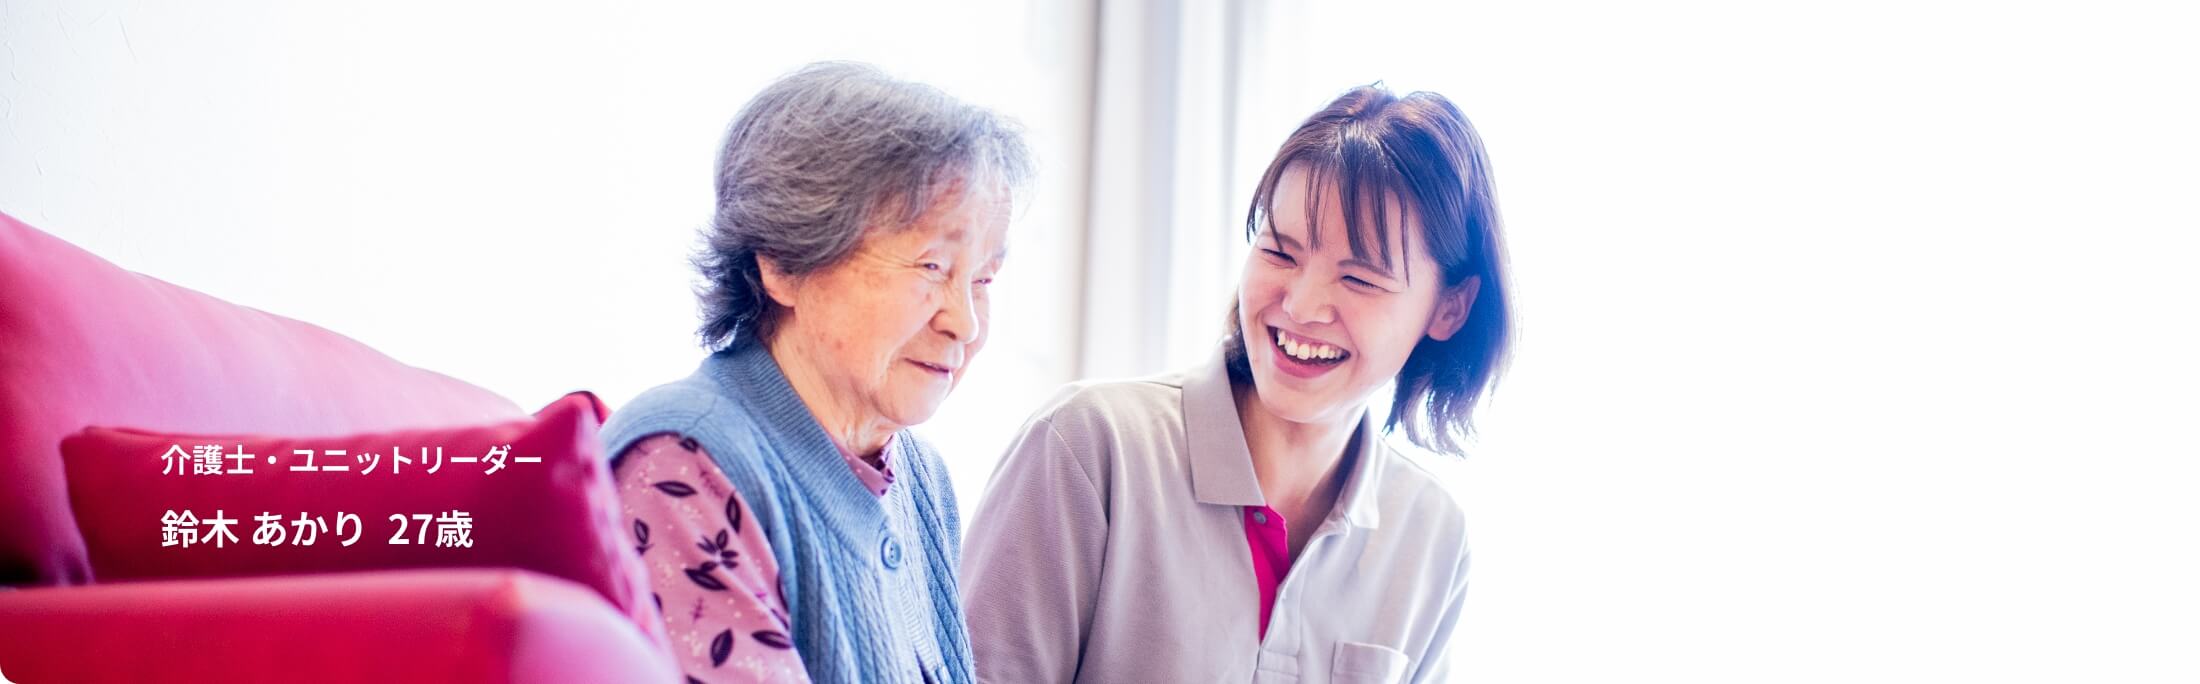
x=1104 y=406
x=1094 y=422
x=1424 y=487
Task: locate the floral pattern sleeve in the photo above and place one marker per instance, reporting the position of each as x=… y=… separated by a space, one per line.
x=710 y=567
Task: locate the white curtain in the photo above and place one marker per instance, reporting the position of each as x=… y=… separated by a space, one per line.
x=1190 y=100
x=1160 y=237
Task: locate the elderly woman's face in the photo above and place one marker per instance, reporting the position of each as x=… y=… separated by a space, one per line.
x=893 y=327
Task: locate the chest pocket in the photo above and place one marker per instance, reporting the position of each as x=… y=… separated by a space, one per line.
x=1358 y=663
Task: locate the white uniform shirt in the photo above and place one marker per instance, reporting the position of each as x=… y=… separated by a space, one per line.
x=1111 y=547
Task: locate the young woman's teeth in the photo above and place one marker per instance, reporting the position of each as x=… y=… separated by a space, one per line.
x=1307 y=351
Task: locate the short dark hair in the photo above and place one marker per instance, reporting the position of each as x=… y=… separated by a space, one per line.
x=1419 y=149
x=819 y=155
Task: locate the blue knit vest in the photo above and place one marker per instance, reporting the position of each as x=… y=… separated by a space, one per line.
x=830 y=535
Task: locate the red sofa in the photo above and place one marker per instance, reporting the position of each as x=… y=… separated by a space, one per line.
x=84 y=343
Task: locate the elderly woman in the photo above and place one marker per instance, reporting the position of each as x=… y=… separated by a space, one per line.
x=793 y=527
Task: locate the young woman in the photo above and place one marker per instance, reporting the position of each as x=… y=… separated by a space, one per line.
x=1242 y=521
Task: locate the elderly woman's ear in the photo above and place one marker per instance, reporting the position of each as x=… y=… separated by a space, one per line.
x=778 y=285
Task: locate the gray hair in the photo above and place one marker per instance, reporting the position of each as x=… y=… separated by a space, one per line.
x=819 y=155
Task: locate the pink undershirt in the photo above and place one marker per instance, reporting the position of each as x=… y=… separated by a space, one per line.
x=1269 y=537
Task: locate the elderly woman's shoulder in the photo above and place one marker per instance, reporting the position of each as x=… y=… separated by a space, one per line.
x=685 y=407
x=682 y=399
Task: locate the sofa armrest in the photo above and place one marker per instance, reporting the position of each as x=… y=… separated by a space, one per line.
x=459 y=625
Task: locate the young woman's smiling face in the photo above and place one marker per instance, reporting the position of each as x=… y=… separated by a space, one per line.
x=1324 y=329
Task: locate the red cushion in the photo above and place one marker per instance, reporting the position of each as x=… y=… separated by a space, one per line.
x=558 y=516
x=83 y=342
x=397 y=626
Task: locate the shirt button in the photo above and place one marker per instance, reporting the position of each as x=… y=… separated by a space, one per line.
x=890 y=553
x=1260 y=518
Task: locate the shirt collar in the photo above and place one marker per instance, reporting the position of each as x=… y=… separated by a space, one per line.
x=876 y=478
x=1222 y=466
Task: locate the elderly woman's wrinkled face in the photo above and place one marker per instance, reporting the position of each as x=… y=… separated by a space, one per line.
x=891 y=328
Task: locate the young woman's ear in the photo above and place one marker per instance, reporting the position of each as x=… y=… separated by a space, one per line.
x=1451 y=309
x=777 y=284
